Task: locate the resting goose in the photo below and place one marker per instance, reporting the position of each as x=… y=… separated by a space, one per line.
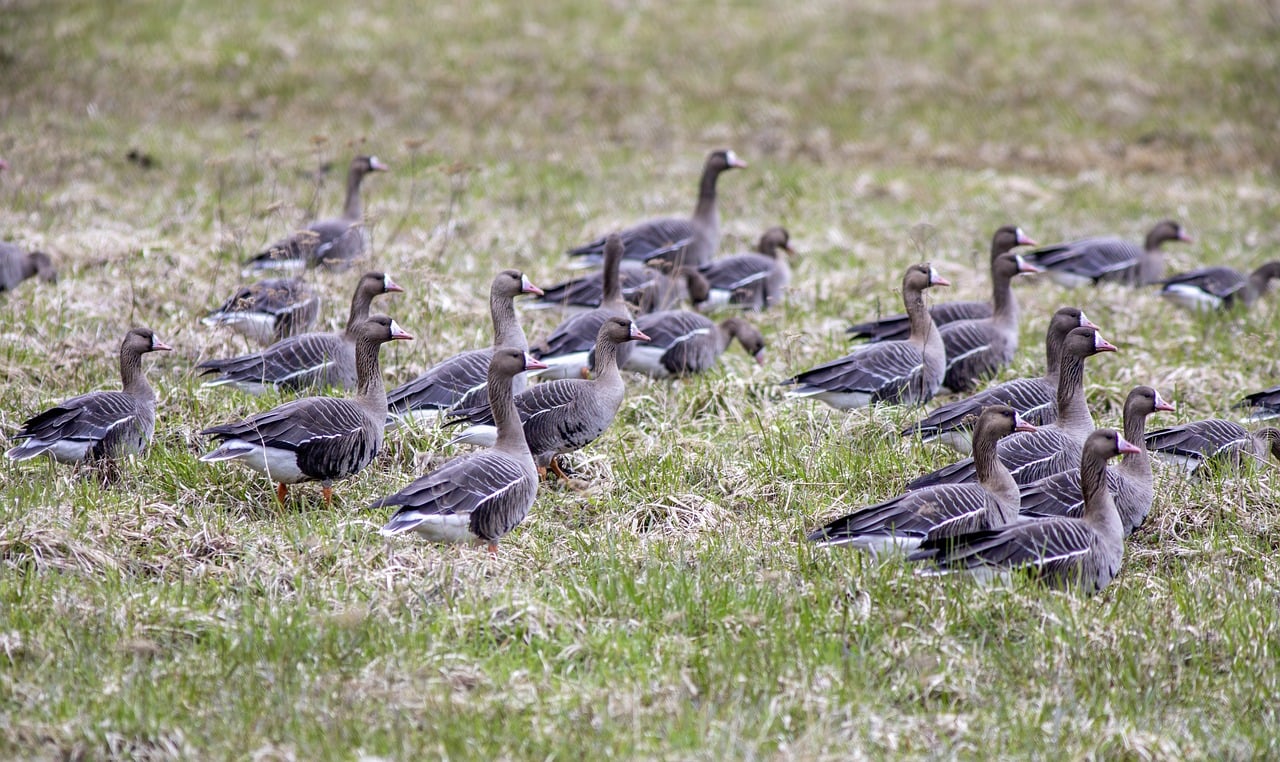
x=681 y=240
x=1130 y=483
x=334 y=241
x=99 y=426
x=1219 y=288
x=18 y=264
x=1051 y=448
x=309 y=360
x=268 y=311
x=480 y=496
x=906 y=372
x=1033 y=398
x=566 y=351
x=1094 y=260
x=755 y=280
x=1083 y=553
x=979 y=347
x=1265 y=404
x=948 y=509
x=564 y=415
x=682 y=343
x=896 y=327
x=317 y=438
x=1193 y=444
x=587 y=291
x=459 y=379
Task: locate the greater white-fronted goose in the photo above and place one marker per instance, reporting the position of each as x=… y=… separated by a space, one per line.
x=948 y=509
x=480 y=496
x=333 y=241
x=681 y=240
x=1051 y=448
x=906 y=372
x=1130 y=482
x=682 y=343
x=1033 y=398
x=456 y=380
x=1191 y=445
x=647 y=288
x=320 y=439
x=754 y=280
x=99 y=426
x=978 y=347
x=567 y=414
x=1265 y=404
x=566 y=351
x=1082 y=553
x=1096 y=260
x=17 y=264
x=896 y=327
x=269 y=311
x=309 y=360
x=1219 y=288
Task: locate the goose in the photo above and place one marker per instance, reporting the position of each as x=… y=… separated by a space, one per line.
x=906 y=372
x=333 y=241
x=755 y=280
x=320 y=439
x=1052 y=448
x=268 y=311
x=100 y=426
x=896 y=327
x=1192 y=445
x=696 y=238
x=566 y=351
x=979 y=347
x=1219 y=288
x=308 y=360
x=564 y=415
x=18 y=264
x=459 y=379
x=647 y=288
x=1095 y=260
x=1082 y=553
x=483 y=495
x=1130 y=483
x=1265 y=404
x=682 y=343
x=1033 y=398
x=904 y=521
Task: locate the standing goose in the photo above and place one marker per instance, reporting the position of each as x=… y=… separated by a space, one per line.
x=458 y=379
x=99 y=426
x=696 y=239
x=979 y=347
x=1083 y=553
x=1130 y=483
x=270 y=310
x=944 y=510
x=896 y=327
x=309 y=360
x=1219 y=288
x=906 y=372
x=1265 y=404
x=1094 y=260
x=682 y=343
x=755 y=280
x=333 y=241
x=566 y=350
x=483 y=495
x=568 y=414
x=317 y=438
x=1033 y=398
x=18 y=264
x=1052 y=448
x=1192 y=445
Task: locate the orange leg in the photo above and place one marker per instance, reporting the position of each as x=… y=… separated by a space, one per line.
x=585 y=373
x=542 y=473
x=555 y=468
x=281 y=492
x=493 y=547
x=327 y=491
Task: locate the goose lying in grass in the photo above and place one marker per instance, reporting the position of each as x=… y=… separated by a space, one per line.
x=268 y=311
x=1219 y=288
x=1098 y=260
x=1194 y=444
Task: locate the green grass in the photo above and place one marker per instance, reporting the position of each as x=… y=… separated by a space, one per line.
x=673 y=609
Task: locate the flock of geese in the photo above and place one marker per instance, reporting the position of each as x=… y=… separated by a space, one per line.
x=1035 y=491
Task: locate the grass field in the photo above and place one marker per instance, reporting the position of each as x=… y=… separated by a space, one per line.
x=672 y=610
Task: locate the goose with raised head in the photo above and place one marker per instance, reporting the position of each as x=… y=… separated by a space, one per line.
x=308 y=360
x=683 y=343
x=979 y=347
x=1219 y=288
x=906 y=372
x=268 y=311
x=755 y=280
x=1108 y=259
x=1194 y=444
x=566 y=350
x=320 y=439
x=17 y=264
